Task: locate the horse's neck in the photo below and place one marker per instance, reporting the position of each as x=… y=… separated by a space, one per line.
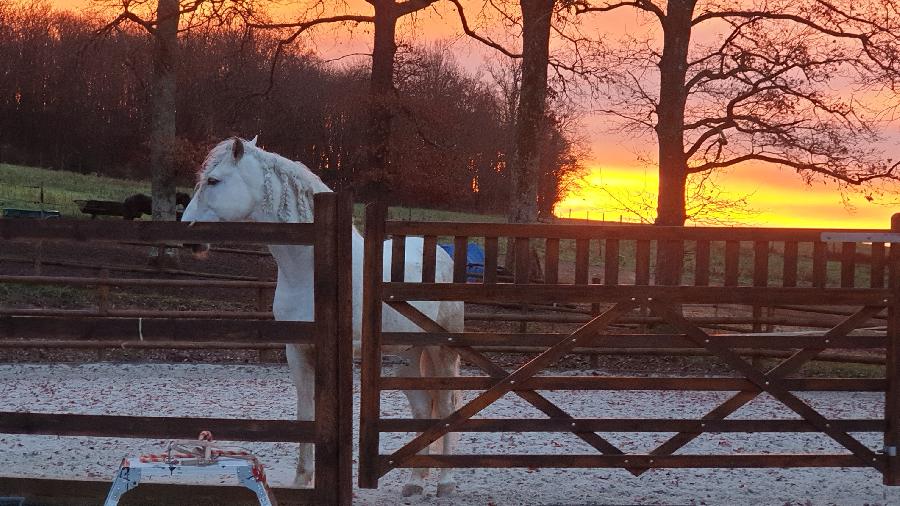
x=295 y=263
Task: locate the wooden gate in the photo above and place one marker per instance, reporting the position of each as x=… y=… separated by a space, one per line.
x=330 y=334
x=720 y=270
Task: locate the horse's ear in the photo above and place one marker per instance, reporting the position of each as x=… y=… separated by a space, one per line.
x=253 y=141
x=237 y=149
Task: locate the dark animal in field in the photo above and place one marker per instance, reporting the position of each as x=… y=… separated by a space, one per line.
x=139 y=204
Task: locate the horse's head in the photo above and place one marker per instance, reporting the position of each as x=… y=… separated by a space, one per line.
x=241 y=182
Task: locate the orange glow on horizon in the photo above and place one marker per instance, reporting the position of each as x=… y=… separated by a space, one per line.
x=777 y=198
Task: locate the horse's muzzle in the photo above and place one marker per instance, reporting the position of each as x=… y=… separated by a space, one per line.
x=199 y=251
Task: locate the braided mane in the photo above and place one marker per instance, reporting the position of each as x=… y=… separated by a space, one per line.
x=298 y=184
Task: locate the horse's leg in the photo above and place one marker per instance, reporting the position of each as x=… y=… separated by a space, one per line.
x=445 y=363
x=300 y=360
x=420 y=405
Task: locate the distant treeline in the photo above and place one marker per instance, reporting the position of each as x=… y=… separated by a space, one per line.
x=72 y=100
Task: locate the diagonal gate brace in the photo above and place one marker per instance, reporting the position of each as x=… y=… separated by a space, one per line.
x=771 y=383
x=506 y=384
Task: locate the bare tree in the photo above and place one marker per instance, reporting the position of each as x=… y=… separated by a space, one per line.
x=763 y=91
x=382 y=96
x=163 y=21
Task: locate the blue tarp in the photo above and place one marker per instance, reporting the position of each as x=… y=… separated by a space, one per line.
x=474 y=260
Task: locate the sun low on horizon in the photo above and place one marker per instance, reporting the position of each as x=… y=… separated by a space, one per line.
x=773 y=198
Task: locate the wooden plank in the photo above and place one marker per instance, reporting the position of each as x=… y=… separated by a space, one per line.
x=820 y=265
x=157 y=231
x=551 y=261
x=345 y=402
x=612 y=341
x=325 y=388
x=621 y=232
x=47 y=492
x=144 y=282
x=135 y=313
x=732 y=262
x=599 y=293
x=158 y=329
x=611 y=263
x=848 y=264
x=568 y=460
x=490 y=260
x=429 y=258
x=398 y=258
x=760 y=263
x=701 y=264
x=460 y=258
x=523 y=260
x=155 y=427
x=891 y=473
x=789 y=269
x=629 y=383
x=877 y=265
x=629 y=425
x=642 y=262
x=370 y=369
x=582 y=261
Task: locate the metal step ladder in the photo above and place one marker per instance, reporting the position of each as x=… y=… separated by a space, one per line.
x=190 y=459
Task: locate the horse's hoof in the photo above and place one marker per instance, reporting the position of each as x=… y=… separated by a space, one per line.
x=446 y=489
x=411 y=489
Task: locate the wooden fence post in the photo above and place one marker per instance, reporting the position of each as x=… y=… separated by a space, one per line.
x=344 y=265
x=370 y=374
x=892 y=368
x=329 y=487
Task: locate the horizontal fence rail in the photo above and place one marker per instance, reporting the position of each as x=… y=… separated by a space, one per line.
x=641 y=276
x=329 y=334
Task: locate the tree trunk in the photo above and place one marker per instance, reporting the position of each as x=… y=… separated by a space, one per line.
x=536 y=17
x=381 y=96
x=162 y=133
x=670 y=112
x=526 y=161
x=670 y=134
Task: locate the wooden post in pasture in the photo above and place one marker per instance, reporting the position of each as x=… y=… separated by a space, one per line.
x=370 y=374
x=892 y=369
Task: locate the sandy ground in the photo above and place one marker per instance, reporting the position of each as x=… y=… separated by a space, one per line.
x=264 y=391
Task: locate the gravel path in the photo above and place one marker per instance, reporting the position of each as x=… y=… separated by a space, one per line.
x=264 y=391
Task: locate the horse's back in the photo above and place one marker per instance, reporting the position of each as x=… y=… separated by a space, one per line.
x=448 y=314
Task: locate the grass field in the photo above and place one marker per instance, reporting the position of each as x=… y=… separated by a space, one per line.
x=20 y=188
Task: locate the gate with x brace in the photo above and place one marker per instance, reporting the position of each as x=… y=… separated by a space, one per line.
x=635 y=313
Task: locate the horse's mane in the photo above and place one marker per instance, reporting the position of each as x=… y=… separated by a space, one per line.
x=298 y=183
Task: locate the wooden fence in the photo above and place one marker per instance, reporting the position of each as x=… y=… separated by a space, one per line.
x=330 y=334
x=802 y=279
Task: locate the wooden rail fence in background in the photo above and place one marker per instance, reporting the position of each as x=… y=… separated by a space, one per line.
x=330 y=334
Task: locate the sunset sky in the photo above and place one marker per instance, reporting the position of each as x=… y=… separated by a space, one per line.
x=777 y=196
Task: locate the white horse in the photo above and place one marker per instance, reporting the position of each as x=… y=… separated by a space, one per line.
x=241 y=182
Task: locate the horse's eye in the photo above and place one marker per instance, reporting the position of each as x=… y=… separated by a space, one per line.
x=212 y=181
